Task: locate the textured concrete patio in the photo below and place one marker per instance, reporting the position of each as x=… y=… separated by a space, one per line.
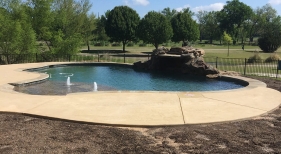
x=136 y=108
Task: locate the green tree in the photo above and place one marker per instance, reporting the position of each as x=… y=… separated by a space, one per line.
x=208 y=25
x=168 y=13
x=155 y=28
x=201 y=22
x=270 y=39
x=184 y=28
x=100 y=33
x=88 y=28
x=212 y=26
x=227 y=40
x=121 y=24
x=68 y=25
x=41 y=17
x=188 y=11
x=232 y=16
x=16 y=33
x=259 y=18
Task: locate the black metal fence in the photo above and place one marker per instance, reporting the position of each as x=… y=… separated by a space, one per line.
x=105 y=57
x=243 y=66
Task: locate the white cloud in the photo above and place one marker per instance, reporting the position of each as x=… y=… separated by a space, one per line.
x=141 y=2
x=136 y=2
x=274 y=2
x=211 y=7
x=181 y=8
x=126 y=2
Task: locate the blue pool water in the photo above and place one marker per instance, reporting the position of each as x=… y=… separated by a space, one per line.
x=125 y=78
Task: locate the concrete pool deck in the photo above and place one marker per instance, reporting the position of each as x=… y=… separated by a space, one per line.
x=126 y=108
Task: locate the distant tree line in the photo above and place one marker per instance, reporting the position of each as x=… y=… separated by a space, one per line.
x=236 y=20
x=61 y=26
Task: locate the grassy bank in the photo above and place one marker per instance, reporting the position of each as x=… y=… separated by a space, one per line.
x=211 y=50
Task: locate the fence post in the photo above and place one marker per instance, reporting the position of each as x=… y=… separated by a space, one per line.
x=278 y=67
x=216 y=62
x=124 y=58
x=245 y=66
x=69 y=57
x=36 y=57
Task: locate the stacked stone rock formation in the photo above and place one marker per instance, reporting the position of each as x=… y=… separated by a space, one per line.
x=178 y=59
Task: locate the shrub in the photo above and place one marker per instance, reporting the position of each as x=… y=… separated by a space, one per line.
x=272 y=58
x=255 y=59
x=106 y=44
x=167 y=44
x=130 y=44
x=143 y=45
x=255 y=43
x=116 y=44
x=268 y=44
x=98 y=44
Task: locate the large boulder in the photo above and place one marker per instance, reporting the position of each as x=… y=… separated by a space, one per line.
x=160 y=51
x=186 y=50
x=184 y=59
x=176 y=50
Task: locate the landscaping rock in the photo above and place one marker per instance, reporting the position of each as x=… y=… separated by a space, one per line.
x=178 y=59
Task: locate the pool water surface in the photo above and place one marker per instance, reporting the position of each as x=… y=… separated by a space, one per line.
x=126 y=78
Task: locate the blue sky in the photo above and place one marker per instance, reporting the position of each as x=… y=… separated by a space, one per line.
x=144 y=6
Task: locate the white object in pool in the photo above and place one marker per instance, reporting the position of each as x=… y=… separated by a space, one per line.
x=95 y=86
x=68 y=81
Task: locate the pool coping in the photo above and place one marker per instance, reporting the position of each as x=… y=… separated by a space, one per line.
x=171 y=107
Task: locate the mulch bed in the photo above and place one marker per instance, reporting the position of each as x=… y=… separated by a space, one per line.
x=26 y=134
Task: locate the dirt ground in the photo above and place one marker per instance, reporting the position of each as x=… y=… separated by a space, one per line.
x=27 y=134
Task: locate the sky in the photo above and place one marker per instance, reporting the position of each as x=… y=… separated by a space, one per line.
x=144 y=6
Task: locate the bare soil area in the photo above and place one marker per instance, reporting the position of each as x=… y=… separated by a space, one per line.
x=28 y=134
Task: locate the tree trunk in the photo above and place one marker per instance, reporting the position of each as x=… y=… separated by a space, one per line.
x=228 y=50
x=48 y=45
x=156 y=46
x=88 y=45
x=251 y=39
x=124 y=43
x=7 y=59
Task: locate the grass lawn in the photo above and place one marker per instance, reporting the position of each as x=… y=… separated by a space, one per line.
x=211 y=50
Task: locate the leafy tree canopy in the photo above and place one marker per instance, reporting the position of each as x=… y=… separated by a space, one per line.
x=100 y=33
x=233 y=14
x=270 y=39
x=226 y=38
x=188 y=11
x=260 y=17
x=16 y=33
x=184 y=28
x=121 y=24
x=155 y=28
x=61 y=24
x=168 y=13
x=208 y=24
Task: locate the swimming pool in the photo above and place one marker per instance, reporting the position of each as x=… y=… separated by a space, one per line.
x=124 y=78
